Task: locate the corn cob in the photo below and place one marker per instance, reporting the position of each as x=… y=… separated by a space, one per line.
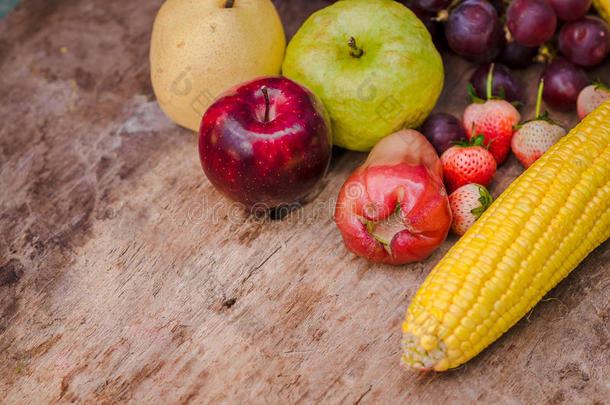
x=603 y=8
x=532 y=236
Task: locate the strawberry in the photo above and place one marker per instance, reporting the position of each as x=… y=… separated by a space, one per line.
x=468 y=162
x=467 y=204
x=494 y=118
x=590 y=98
x=533 y=138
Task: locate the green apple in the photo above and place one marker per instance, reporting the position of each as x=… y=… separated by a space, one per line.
x=373 y=64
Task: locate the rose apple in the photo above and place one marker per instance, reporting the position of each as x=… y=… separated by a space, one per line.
x=265 y=143
x=372 y=63
x=394 y=208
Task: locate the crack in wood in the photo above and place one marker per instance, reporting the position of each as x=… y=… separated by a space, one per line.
x=363 y=395
x=251 y=273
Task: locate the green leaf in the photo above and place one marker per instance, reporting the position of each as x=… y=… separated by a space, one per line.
x=473 y=95
x=601 y=86
x=485 y=199
x=517 y=103
x=543 y=117
x=462 y=143
x=478 y=140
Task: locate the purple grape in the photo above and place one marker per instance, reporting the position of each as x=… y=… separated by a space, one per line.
x=563 y=81
x=441 y=130
x=532 y=22
x=570 y=10
x=518 y=56
x=431 y=5
x=503 y=82
x=585 y=42
x=474 y=31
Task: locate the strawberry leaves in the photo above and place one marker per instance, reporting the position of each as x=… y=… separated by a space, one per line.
x=472 y=95
x=478 y=140
x=485 y=199
x=601 y=86
x=492 y=89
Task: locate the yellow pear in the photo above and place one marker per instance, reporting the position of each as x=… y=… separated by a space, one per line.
x=201 y=48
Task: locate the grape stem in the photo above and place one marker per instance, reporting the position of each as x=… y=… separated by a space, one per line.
x=539 y=97
x=490 y=80
x=443 y=15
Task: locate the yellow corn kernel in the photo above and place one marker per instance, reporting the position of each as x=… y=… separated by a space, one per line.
x=428 y=342
x=506 y=263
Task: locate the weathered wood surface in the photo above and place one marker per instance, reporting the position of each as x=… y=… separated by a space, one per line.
x=124 y=277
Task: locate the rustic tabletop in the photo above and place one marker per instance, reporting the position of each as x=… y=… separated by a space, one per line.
x=124 y=277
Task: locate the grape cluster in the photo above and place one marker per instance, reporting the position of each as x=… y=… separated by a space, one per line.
x=518 y=32
x=485 y=31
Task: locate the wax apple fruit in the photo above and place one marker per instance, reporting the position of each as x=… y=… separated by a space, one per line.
x=373 y=64
x=200 y=49
x=394 y=208
x=265 y=143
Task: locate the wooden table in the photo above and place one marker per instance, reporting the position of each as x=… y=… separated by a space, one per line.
x=124 y=277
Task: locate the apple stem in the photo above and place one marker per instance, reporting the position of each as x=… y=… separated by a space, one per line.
x=266 y=95
x=229 y=3
x=355 y=52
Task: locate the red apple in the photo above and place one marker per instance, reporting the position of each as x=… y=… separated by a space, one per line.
x=266 y=142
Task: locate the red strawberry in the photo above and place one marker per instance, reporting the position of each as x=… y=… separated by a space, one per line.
x=494 y=118
x=467 y=204
x=468 y=162
x=590 y=98
x=533 y=138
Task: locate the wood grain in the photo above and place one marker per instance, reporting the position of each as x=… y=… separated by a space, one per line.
x=125 y=278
